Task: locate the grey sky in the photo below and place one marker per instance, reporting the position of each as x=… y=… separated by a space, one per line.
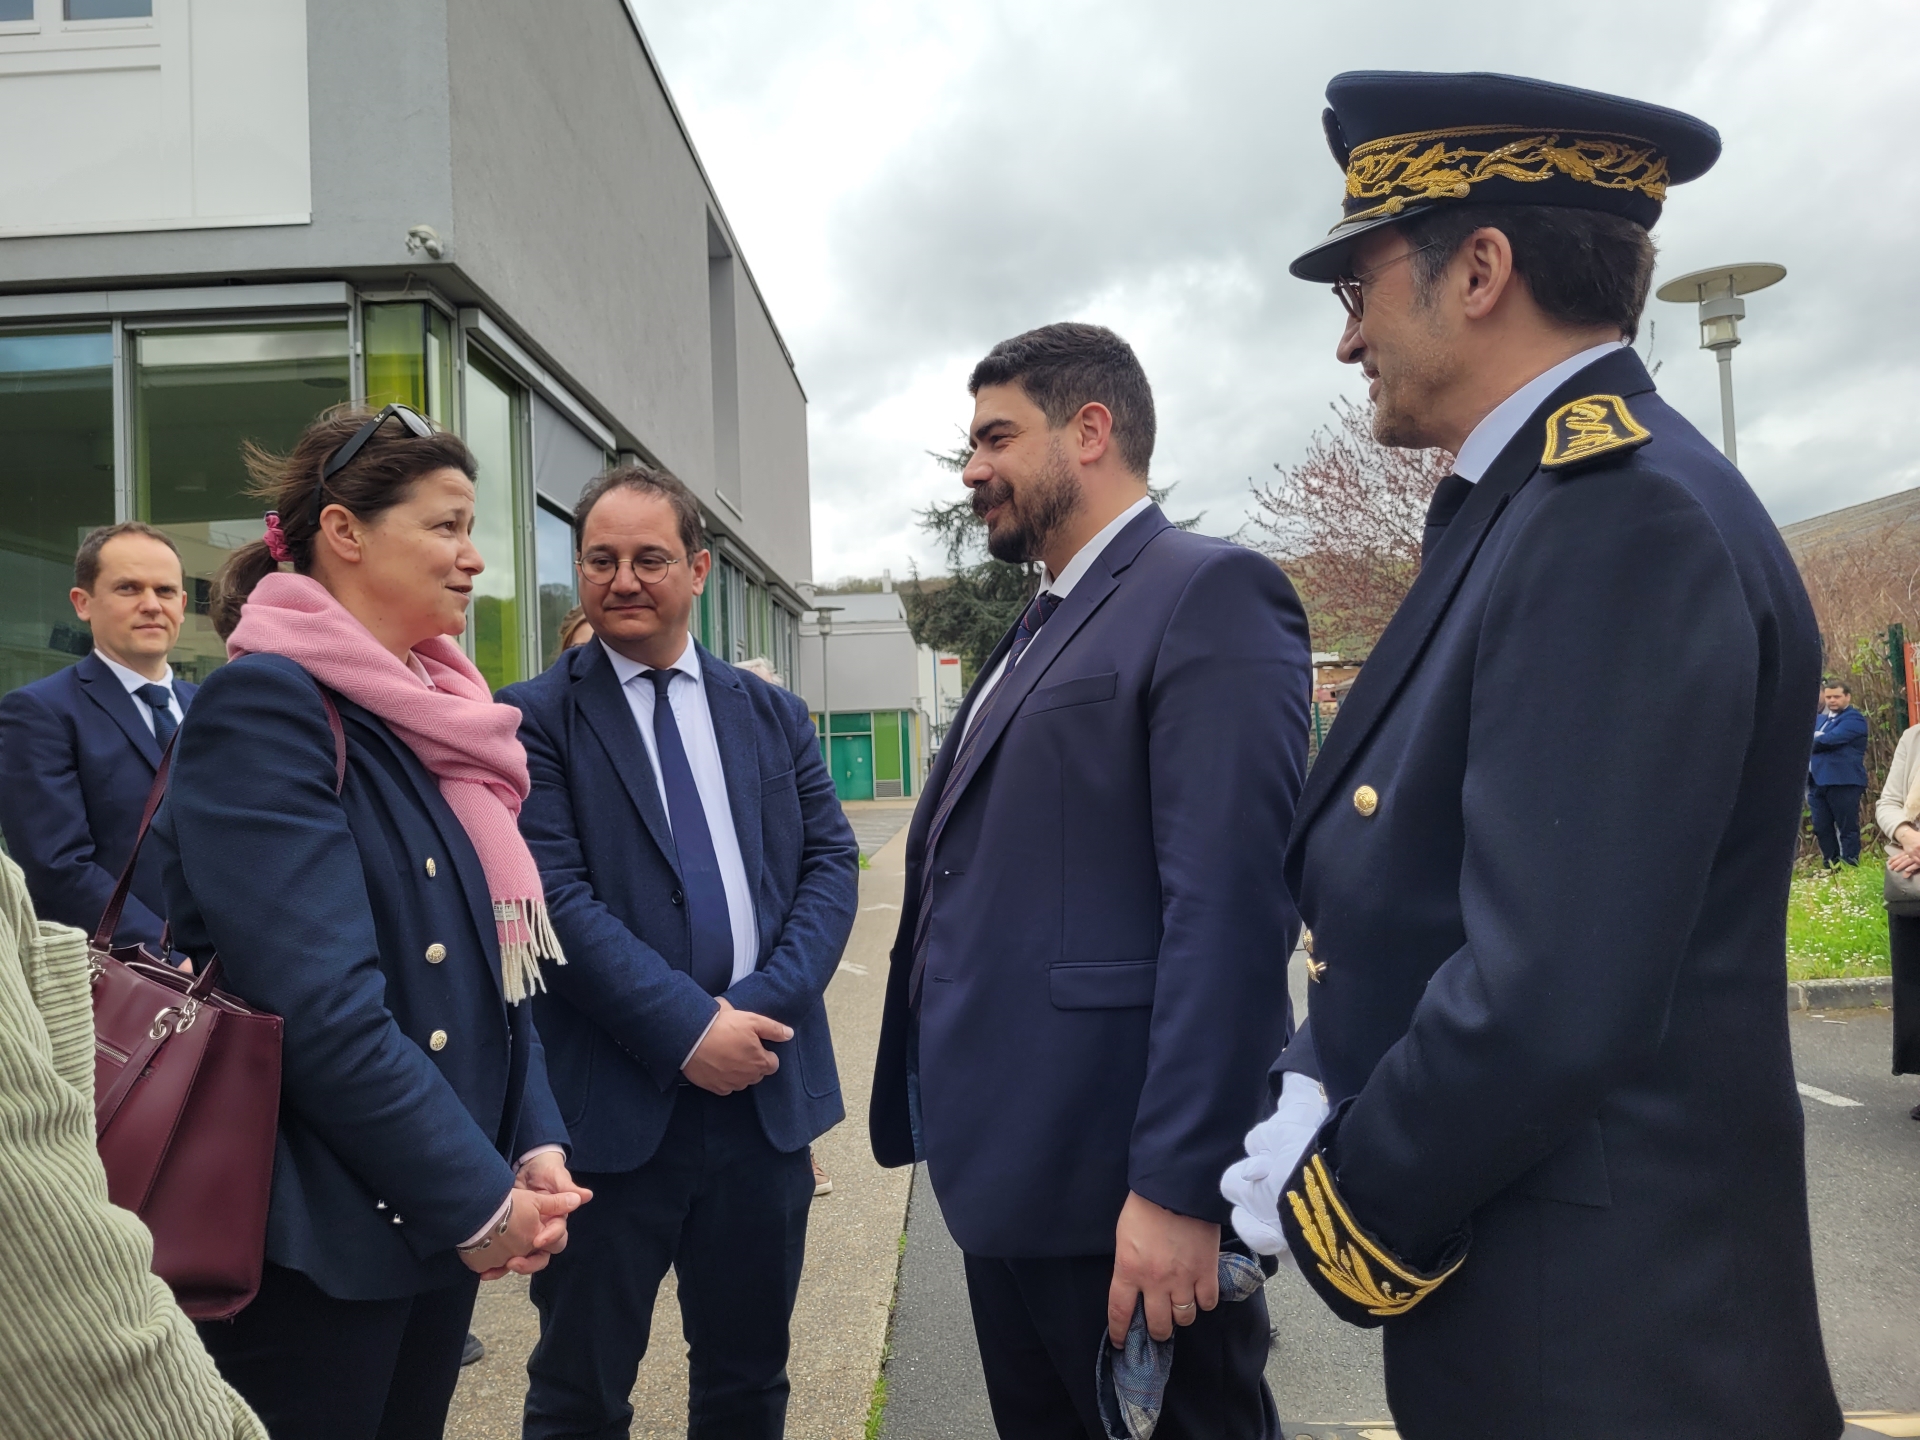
x=912 y=182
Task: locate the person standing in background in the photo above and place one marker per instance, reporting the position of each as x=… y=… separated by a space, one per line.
x=704 y=880
x=1898 y=815
x=1837 y=775
x=78 y=750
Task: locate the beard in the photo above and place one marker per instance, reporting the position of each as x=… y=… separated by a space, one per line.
x=1034 y=512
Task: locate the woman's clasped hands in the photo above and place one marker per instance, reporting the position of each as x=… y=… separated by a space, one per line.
x=535 y=1228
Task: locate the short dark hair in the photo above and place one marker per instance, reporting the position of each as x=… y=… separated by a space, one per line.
x=1064 y=367
x=1840 y=685
x=86 y=563
x=647 y=480
x=1583 y=267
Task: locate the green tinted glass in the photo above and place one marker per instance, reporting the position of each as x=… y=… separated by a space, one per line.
x=494 y=411
x=56 y=483
x=199 y=394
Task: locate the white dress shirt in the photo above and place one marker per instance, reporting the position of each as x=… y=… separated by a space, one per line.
x=1503 y=422
x=695 y=721
x=1061 y=585
x=133 y=680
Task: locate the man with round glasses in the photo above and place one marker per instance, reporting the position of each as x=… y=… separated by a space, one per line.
x=701 y=874
x=1541 y=1122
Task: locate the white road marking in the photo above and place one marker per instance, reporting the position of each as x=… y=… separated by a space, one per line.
x=853 y=969
x=881 y=906
x=1827 y=1097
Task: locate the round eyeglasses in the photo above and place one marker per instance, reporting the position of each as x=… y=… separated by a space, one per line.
x=601 y=569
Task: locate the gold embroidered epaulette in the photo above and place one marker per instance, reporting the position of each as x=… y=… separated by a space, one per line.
x=1597 y=425
x=1354 y=1273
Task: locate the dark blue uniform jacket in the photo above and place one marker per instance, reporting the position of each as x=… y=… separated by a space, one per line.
x=621 y=1019
x=1106 y=968
x=76 y=763
x=1552 y=1016
x=1839 y=749
x=329 y=912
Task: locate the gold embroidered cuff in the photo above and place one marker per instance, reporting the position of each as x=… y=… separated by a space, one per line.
x=1360 y=1279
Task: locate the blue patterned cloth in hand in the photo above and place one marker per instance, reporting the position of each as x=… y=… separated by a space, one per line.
x=1132 y=1381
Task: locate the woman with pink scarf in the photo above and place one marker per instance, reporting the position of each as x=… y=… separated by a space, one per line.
x=394 y=919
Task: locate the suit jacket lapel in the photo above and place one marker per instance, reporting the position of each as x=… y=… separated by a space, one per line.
x=1405 y=638
x=103 y=687
x=739 y=759
x=1094 y=587
x=453 y=835
x=596 y=690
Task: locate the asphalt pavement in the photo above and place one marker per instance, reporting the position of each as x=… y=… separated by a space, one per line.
x=1863 y=1158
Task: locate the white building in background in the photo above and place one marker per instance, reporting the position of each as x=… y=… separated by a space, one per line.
x=885 y=699
x=220 y=217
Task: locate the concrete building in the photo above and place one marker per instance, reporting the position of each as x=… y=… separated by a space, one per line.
x=886 y=701
x=218 y=217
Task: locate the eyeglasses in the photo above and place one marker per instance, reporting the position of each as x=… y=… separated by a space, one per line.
x=602 y=569
x=1348 y=287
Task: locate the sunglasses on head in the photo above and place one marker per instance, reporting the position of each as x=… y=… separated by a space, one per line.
x=343 y=457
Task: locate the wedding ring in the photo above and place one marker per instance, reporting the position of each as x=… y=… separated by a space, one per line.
x=1188 y=1306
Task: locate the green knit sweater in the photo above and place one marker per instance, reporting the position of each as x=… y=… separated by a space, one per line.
x=92 y=1346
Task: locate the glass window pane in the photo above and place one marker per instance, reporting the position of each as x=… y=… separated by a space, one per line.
x=109 y=9
x=409 y=356
x=15 y=10
x=553 y=560
x=494 y=407
x=56 y=483
x=198 y=395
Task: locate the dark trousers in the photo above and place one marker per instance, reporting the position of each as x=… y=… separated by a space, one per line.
x=1039 y=1324
x=1903 y=935
x=729 y=1213
x=1836 y=821
x=317 y=1368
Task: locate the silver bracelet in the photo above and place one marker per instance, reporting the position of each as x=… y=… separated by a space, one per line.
x=506 y=1219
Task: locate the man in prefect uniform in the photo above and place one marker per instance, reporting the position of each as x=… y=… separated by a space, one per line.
x=1563 y=1166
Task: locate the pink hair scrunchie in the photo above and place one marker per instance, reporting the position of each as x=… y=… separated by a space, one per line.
x=277 y=538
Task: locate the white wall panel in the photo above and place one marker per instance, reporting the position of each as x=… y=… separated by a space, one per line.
x=194 y=118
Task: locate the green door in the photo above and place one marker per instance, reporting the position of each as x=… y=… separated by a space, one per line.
x=853 y=766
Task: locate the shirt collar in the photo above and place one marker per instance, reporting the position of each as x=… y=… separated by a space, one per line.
x=627 y=670
x=1503 y=422
x=1083 y=558
x=132 y=679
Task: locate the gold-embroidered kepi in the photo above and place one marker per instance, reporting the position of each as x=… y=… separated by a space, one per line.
x=1409 y=142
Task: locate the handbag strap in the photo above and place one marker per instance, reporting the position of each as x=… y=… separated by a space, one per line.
x=110 y=918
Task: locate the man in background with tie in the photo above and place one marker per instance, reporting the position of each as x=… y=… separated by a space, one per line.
x=1092 y=958
x=703 y=880
x=78 y=749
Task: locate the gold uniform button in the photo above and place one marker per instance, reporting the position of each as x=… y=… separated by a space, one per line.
x=435 y=954
x=437 y=1040
x=432 y=869
x=1366 y=800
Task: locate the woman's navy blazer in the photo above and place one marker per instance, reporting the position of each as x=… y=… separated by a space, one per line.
x=408 y=1084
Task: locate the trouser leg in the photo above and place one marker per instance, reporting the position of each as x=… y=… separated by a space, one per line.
x=1037 y=1323
x=427 y=1367
x=312 y=1367
x=1844 y=802
x=1823 y=829
x=596 y=1297
x=738 y=1267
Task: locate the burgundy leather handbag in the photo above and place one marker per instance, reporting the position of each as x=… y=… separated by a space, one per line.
x=186 y=1100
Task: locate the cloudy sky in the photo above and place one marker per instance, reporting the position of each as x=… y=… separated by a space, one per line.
x=912 y=182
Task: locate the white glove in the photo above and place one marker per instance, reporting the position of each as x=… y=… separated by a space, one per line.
x=1274 y=1147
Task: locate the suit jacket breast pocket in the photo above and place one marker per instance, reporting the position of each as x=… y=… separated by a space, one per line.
x=1087 y=690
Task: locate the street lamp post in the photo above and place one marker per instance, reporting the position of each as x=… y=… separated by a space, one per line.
x=823 y=619
x=1717 y=292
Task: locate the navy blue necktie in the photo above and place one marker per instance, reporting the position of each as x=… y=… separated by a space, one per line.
x=160 y=700
x=1037 y=613
x=706 y=896
x=1447 y=500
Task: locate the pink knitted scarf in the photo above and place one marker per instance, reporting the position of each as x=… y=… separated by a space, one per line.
x=470 y=744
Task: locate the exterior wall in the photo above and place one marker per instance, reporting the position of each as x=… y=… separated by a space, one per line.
x=883 y=685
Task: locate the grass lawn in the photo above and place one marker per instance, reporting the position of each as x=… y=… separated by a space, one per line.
x=1836 y=923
